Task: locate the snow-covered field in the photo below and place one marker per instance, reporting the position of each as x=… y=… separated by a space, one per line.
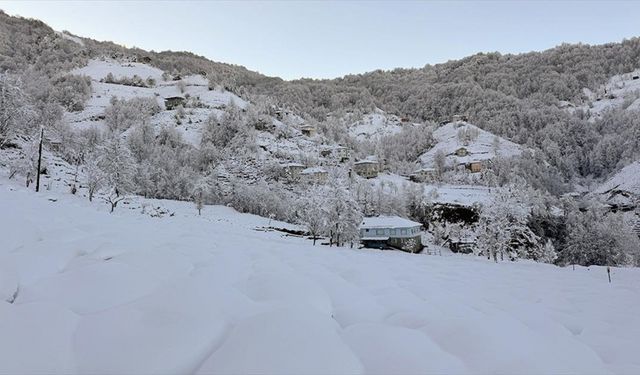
x=84 y=291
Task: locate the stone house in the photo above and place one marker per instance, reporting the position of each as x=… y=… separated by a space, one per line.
x=366 y=168
x=423 y=175
x=293 y=170
x=309 y=130
x=314 y=175
x=174 y=102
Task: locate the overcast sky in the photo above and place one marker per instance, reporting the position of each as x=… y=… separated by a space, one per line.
x=326 y=39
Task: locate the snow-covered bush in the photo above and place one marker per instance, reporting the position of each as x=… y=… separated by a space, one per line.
x=72 y=91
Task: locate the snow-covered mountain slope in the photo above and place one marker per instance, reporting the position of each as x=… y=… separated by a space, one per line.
x=623 y=189
x=376 y=125
x=621 y=91
x=293 y=146
x=196 y=87
x=83 y=291
x=479 y=144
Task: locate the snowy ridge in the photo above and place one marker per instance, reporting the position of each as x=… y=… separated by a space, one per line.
x=189 y=294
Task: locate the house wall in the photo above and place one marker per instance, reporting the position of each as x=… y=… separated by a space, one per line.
x=410 y=244
x=366 y=170
x=390 y=232
x=475 y=167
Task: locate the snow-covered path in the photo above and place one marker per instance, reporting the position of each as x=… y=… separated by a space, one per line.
x=83 y=291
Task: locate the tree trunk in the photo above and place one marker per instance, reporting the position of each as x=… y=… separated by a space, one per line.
x=314 y=240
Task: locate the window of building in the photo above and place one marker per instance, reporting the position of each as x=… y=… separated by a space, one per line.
x=403 y=231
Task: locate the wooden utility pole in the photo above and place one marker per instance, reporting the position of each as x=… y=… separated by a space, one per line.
x=39 y=160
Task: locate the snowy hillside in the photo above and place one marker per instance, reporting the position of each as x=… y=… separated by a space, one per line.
x=623 y=189
x=479 y=145
x=83 y=291
x=196 y=87
x=376 y=125
x=622 y=91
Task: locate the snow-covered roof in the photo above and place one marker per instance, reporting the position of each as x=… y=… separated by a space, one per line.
x=314 y=170
x=366 y=161
x=424 y=170
x=293 y=165
x=374 y=238
x=388 y=222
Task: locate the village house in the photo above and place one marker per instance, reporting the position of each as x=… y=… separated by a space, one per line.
x=366 y=168
x=475 y=166
x=308 y=130
x=174 y=102
x=339 y=153
x=462 y=151
x=314 y=175
x=423 y=175
x=292 y=170
x=53 y=142
x=342 y=153
x=458 y=118
x=391 y=232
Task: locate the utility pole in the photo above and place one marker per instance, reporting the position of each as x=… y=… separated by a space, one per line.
x=39 y=160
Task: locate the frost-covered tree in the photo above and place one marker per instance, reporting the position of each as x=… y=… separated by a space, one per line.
x=15 y=109
x=117 y=166
x=200 y=193
x=343 y=214
x=72 y=91
x=220 y=132
x=503 y=229
x=440 y=163
x=123 y=114
x=313 y=213
x=94 y=176
x=598 y=238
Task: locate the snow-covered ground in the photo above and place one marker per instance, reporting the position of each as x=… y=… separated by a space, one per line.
x=466 y=195
x=84 y=291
